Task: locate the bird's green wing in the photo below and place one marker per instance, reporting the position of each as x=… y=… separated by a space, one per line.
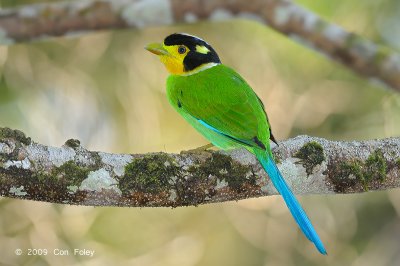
x=271 y=136
x=221 y=100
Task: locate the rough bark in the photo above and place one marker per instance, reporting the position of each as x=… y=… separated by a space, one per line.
x=39 y=21
x=73 y=175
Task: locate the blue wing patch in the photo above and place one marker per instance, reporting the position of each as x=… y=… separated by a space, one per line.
x=241 y=141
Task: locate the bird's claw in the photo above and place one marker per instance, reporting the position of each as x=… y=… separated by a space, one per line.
x=200 y=149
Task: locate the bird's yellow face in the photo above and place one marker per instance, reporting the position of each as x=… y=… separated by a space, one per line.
x=184 y=54
x=171 y=56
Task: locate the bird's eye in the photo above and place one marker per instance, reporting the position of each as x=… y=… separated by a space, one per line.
x=182 y=49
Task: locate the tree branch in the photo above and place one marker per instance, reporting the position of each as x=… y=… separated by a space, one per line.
x=73 y=175
x=39 y=21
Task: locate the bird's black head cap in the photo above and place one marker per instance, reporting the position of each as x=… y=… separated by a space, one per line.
x=200 y=52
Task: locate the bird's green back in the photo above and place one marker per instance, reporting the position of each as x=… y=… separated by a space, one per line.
x=221 y=98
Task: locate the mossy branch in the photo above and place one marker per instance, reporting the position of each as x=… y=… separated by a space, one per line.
x=40 y=21
x=73 y=175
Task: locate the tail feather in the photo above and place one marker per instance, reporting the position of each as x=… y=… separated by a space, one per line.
x=294 y=206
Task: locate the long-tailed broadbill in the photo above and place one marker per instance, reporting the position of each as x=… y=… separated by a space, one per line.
x=219 y=104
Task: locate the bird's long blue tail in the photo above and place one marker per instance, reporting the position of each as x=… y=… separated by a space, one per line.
x=294 y=206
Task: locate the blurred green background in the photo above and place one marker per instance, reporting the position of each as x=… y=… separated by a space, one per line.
x=106 y=90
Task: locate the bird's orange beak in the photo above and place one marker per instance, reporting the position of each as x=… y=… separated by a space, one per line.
x=156 y=48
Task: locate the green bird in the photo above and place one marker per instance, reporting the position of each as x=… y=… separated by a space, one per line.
x=219 y=104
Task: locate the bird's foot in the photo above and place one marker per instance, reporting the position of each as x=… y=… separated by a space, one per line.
x=200 y=149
